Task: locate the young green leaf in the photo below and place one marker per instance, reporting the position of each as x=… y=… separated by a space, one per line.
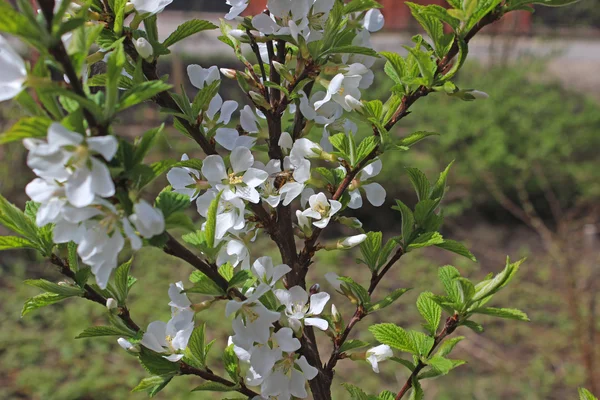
x=187 y=29
x=62 y=290
x=41 y=300
x=214 y=387
x=211 y=221
x=509 y=313
x=100 y=331
x=387 y=300
x=585 y=394
x=31 y=127
x=430 y=311
x=153 y=384
x=231 y=363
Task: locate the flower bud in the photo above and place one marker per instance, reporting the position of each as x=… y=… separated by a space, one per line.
x=144 y=48
x=351 y=222
x=351 y=241
x=259 y=100
x=128 y=346
x=111 y=304
x=205 y=305
x=229 y=73
x=314 y=289
x=129 y=7
x=285 y=141
x=283 y=71
x=356 y=105
x=238 y=34
x=478 y=94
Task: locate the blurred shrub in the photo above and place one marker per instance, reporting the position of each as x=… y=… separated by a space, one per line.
x=529 y=130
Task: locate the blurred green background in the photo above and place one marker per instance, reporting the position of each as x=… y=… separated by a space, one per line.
x=526 y=182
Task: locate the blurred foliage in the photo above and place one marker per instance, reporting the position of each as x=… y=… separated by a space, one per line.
x=584 y=13
x=529 y=129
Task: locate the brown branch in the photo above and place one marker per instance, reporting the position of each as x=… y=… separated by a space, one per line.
x=187 y=369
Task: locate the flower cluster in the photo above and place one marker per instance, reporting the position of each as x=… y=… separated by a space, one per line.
x=266 y=340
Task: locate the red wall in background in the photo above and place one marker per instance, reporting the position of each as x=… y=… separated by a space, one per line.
x=398 y=17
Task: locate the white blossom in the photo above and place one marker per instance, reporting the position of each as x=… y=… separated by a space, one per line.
x=201 y=77
x=179 y=301
x=353 y=241
x=234 y=252
x=12 y=71
x=170 y=338
x=253 y=320
x=321 y=209
x=237 y=7
x=230 y=212
x=299 y=307
x=267 y=273
x=148 y=220
x=243 y=179
x=150 y=7
x=374 y=20
x=185 y=180
x=68 y=157
x=377 y=354
x=374 y=191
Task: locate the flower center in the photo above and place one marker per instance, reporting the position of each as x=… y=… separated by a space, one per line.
x=249 y=313
x=235 y=180
x=322 y=209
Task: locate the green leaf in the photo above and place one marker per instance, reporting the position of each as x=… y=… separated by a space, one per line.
x=360 y=6
x=408 y=222
x=146 y=143
x=121 y=281
x=350 y=345
x=474 y=326
x=439 y=188
x=32 y=127
x=142 y=92
x=458 y=248
x=99 y=331
x=440 y=364
x=387 y=300
x=196 y=350
x=448 y=275
x=214 y=387
x=62 y=290
x=366 y=147
x=585 y=394
x=156 y=364
x=15 y=23
x=426 y=240
x=370 y=249
x=430 y=311
x=448 y=345
x=415 y=137
x=417 y=391
x=170 y=202
x=406 y=363
x=419 y=182
x=15 y=242
x=231 y=363
x=394 y=336
x=365 y=51
x=356 y=393
x=211 y=221
x=427 y=66
x=119 y=10
x=203 y=98
x=15 y=220
x=491 y=286
x=509 y=313
x=187 y=29
x=41 y=300
x=239 y=278
x=153 y=384
x=226 y=271
x=360 y=292
x=204 y=285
